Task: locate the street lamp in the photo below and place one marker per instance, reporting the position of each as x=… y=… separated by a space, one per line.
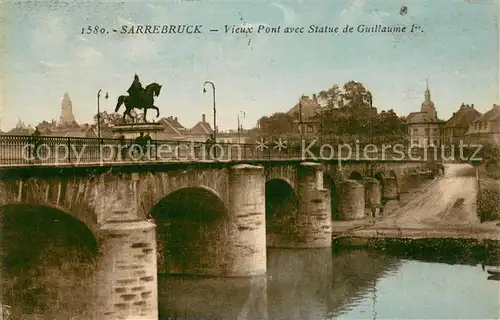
x=321 y=125
x=99 y=114
x=215 y=110
x=240 y=127
x=370 y=101
x=300 y=120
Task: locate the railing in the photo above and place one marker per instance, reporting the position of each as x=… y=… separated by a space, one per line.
x=29 y=150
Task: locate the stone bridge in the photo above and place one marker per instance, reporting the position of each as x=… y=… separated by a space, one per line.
x=212 y=218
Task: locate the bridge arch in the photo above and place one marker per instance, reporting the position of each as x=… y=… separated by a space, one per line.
x=331 y=186
x=49 y=196
x=393 y=174
x=44 y=248
x=356 y=175
x=191 y=231
x=380 y=176
x=281 y=206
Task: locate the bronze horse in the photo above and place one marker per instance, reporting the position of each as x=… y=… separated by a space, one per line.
x=152 y=90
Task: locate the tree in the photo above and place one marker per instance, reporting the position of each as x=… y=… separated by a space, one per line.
x=356 y=97
x=388 y=123
x=113 y=119
x=388 y=126
x=277 y=124
x=356 y=112
x=330 y=98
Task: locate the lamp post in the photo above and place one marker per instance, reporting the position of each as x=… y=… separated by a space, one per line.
x=240 y=127
x=321 y=125
x=300 y=121
x=99 y=114
x=215 y=110
x=370 y=101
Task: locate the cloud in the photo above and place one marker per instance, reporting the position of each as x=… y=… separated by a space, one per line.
x=124 y=21
x=355 y=8
x=88 y=56
x=53 y=33
x=52 y=64
x=140 y=49
x=289 y=14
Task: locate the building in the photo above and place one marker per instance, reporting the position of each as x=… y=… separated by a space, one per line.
x=486 y=127
x=173 y=130
x=202 y=129
x=304 y=114
x=67 y=117
x=424 y=126
x=456 y=128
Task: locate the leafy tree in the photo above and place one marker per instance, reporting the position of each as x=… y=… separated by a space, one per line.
x=113 y=119
x=356 y=96
x=277 y=124
x=388 y=123
x=330 y=98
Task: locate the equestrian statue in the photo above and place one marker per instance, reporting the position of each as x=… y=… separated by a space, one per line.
x=139 y=98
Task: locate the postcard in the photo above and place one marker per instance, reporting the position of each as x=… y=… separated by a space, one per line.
x=199 y=159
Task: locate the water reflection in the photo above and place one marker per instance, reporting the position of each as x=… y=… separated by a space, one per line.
x=297 y=284
x=353 y=284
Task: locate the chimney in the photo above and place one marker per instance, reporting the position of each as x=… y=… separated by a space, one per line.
x=472 y=106
x=175 y=118
x=203 y=118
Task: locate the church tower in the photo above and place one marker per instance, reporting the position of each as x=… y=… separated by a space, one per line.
x=67 y=117
x=428 y=105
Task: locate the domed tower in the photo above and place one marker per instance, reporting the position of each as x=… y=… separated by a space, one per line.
x=428 y=105
x=67 y=117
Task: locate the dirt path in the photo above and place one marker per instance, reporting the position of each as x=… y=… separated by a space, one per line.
x=447 y=208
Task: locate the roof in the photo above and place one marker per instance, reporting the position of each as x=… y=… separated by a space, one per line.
x=308 y=107
x=202 y=127
x=420 y=117
x=491 y=115
x=173 y=122
x=463 y=117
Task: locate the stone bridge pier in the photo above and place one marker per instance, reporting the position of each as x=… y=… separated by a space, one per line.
x=126 y=276
x=127 y=265
x=307 y=223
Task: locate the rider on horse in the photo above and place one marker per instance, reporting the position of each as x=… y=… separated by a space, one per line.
x=136 y=91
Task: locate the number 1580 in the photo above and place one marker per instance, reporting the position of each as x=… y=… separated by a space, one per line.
x=93 y=30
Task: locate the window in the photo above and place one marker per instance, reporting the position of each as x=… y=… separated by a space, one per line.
x=309 y=129
x=426 y=131
x=435 y=130
x=415 y=131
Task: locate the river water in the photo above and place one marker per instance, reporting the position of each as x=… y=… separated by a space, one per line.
x=320 y=284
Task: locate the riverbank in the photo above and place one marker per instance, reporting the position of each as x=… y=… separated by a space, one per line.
x=446 y=207
x=445 y=250
x=343 y=228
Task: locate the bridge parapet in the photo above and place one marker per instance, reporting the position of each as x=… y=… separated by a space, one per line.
x=28 y=150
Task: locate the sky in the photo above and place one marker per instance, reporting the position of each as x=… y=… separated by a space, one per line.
x=45 y=55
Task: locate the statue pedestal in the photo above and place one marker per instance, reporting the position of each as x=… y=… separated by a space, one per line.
x=133 y=130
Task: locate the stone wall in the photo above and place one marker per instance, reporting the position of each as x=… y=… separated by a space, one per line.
x=488 y=199
x=352 y=200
